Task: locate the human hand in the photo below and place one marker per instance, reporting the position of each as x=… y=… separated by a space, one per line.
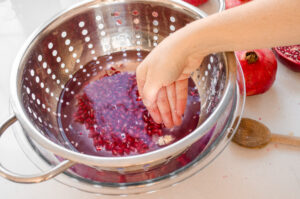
x=162 y=80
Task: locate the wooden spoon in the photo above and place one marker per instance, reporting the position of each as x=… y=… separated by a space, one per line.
x=252 y=134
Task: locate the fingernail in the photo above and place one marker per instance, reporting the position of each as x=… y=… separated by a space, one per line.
x=146 y=102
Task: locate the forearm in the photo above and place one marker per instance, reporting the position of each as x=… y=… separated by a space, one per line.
x=258 y=24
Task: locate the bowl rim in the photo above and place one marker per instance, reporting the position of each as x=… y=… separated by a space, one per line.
x=112 y=162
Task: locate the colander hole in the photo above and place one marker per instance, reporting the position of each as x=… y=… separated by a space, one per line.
x=49 y=71
x=72 y=92
x=33 y=96
x=215 y=81
x=97 y=62
x=87 y=39
x=139 y=59
x=37 y=79
x=50 y=126
x=53 y=76
x=74 y=79
x=90 y=46
x=155 y=37
x=54 y=53
x=52 y=94
x=172 y=27
x=77 y=61
x=137 y=36
x=102 y=33
x=98 y=18
x=92 y=52
x=47 y=90
x=58 y=115
x=32 y=72
x=81 y=66
x=136 y=21
x=43 y=106
x=135 y=12
x=138 y=42
x=28 y=90
x=67 y=70
x=172 y=19
x=154 y=14
x=34 y=115
x=62 y=65
x=138 y=54
x=50 y=45
x=84 y=70
x=67 y=89
x=48 y=109
x=42 y=85
x=95 y=58
x=208 y=66
x=29 y=110
x=81 y=24
x=119 y=22
x=40 y=58
x=84 y=32
x=78 y=83
x=67 y=42
x=100 y=26
x=155 y=30
x=63 y=34
x=100 y=67
x=88 y=74
x=203 y=78
x=154 y=44
x=74 y=55
x=58 y=59
x=116 y=14
x=44 y=65
x=67 y=103
x=155 y=22
x=211 y=59
x=71 y=48
x=138 y=49
x=206 y=73
x=38 y=101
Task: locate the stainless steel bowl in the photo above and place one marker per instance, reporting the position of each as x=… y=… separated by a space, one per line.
x=61 y=47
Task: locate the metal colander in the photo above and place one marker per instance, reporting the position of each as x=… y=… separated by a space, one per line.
x=59 y=49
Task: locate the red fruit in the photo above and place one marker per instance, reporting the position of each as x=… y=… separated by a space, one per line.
x=290 y=56
x=259 y=67
x=196 y=2
x=234 y=3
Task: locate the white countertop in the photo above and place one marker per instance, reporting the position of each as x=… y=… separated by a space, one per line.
x=271 y=172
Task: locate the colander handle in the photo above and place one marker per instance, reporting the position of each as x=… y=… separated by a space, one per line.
x=30 y=178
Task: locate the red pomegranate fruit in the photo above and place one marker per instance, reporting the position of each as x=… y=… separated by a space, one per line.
x=290 y=56
x=196 y=2
x=259 y=67
x=234 y=3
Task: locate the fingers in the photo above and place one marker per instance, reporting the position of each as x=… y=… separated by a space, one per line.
x=164 y=108
x=181 y=87
x=171 y=93
x=141 y=73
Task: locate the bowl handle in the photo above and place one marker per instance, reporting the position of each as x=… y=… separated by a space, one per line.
x=30 y=178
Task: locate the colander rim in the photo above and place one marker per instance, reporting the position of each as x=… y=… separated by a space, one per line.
x=112 y=162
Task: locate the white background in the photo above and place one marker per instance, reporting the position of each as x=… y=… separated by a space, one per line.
x=271 y=172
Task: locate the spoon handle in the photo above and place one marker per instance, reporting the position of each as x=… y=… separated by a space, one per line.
x=285 y=139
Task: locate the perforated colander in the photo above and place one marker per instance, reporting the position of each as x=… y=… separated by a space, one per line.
x=59 y=49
